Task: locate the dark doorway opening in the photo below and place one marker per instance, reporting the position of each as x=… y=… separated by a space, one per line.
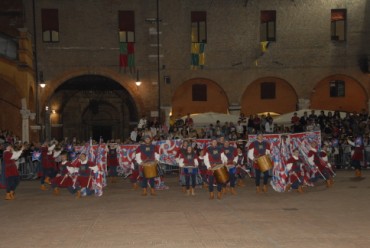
x=105 y=132
x=93 y=106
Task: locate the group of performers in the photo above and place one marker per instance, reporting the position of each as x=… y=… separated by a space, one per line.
x=58 y=171
x=220 y=164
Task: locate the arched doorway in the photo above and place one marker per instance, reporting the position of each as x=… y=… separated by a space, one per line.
x=269 y=94
x=339 y=92
x=199 y=95
x=91 y=106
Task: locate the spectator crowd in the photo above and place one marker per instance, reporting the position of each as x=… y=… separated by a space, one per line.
x=336 y=129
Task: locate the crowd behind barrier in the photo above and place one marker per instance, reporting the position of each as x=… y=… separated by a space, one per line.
x=335 y=132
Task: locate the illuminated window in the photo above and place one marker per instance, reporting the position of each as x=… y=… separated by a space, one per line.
x=199 y=92
x=268 y=90
x=338 y=24
x=126 y=22
x=268 y=25
x=199 y=27
x=337 y=88
x=50 y=25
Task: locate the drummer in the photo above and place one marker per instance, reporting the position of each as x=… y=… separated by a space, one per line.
x=189 y=160
x=212 y=158
x=259 y=148
x=145 y=153
x=230 y=160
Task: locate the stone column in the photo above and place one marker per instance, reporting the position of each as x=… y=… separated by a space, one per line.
x=235 y=109
x=303 y=103
x=167 y=110
x=26 y=115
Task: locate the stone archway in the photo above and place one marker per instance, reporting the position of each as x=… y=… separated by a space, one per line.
x=82 y=104
x=284 y=100
x=183 y=102
x=352 y=98
x=125 y=80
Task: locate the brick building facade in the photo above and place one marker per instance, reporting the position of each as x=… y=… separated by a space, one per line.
x=17 y=84
x=258 y=55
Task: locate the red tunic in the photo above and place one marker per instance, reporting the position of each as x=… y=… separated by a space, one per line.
x=230 y=152
x=214 y=155
x=316 y=159
x=189 y=158
x=259 y=149
x=147 y=152
x=48 y=160
x=10 y=166
x=112 y=157
x=295 y=172
x=85 y=177
x=358 y=153
x=63 y=180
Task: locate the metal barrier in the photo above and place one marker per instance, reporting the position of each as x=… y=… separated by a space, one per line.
x=27 y=168
x=341 y=157
x=169 y=169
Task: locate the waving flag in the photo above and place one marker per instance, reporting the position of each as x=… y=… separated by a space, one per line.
x=126 y=156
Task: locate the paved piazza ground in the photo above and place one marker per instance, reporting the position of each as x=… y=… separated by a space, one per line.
x=336 y=217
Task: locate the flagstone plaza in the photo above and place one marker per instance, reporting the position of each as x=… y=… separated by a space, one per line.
x=335 y=217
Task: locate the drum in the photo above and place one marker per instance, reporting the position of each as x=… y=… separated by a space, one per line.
x=220 y=173
x=150 y=169
x=265 y=163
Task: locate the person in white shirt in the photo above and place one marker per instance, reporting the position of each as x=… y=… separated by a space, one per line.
x=142 y=123
x=133 y=135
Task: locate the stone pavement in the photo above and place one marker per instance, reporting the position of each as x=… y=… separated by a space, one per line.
x=335 y=217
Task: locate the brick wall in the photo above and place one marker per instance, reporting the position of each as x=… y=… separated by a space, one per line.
x=302 y=55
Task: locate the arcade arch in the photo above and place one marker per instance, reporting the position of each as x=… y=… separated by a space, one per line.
x=339 y=92
x=215 y=99
x=285 y=97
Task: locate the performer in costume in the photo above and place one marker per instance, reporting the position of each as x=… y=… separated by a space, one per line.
x=190 y=161
x=86 y=171
x=324 y=156
x=203 y=169
x=212 y=158
x=296 y=173
x=180 y=153
x=315 y=160
x=357 y=155
x=11 y=170
x=56 y=158
x=135 y=175
x=112 y=162
x=64 y=177
x=36 y=161
x=48 y=165
x=259 y=148
x=147 y=152
x=240 y=167
x=230 y=160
